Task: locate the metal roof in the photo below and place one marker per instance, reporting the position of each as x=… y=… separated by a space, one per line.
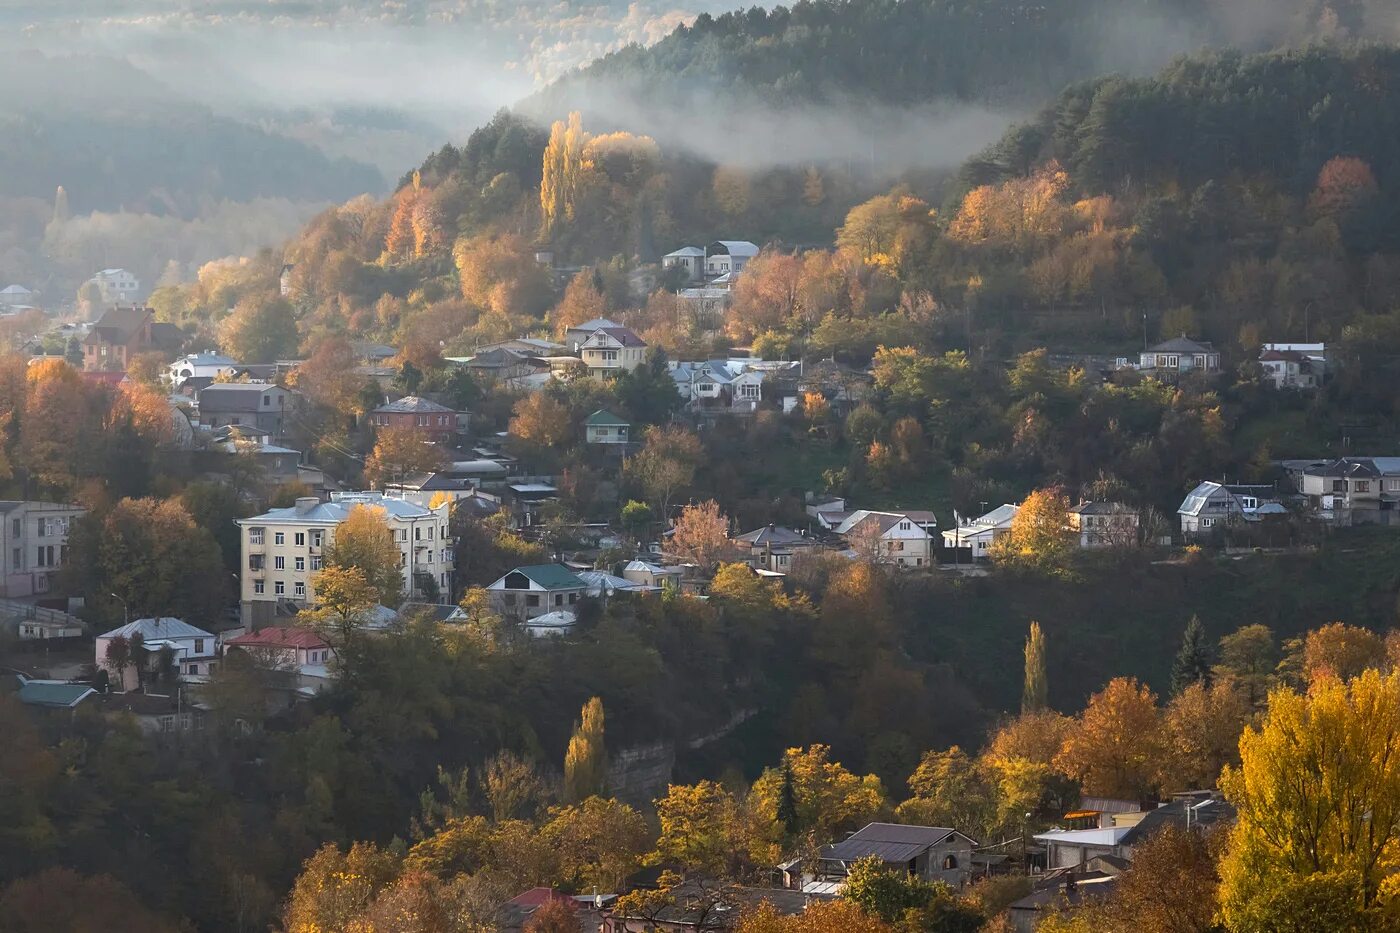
x=1182 y=345
x=150 y=630
x=412 y=403
x=550 y=576
x=892 y=842
x=338 y=510
x=603 y=417
x=53 y=694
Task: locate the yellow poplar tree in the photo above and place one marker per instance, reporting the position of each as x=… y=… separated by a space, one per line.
x=586 y=761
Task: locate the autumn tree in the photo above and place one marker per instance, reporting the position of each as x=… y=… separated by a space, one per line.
x=701 y=534
x=586 y=760
x=599 y=842
x=512 y=785
x=1341 y=650
x=666 y=463
x=766 y=296
x=1248 y=656
x=345 y=602
x=556 y=916
x=1203 y=725
x=364 y=541
x=950 y=788
x=1118 y=748
x=260 y=329
x=829 y=799
x=582 y=301
x=699 y=827
x=1035 y=690
x=1169 y=888
x=1318 y=827
x=1344 y=183
x=499 y=274
x=1038 y=539
x=834 y=916
x=897 y=895
x=335 y=887
x=61 y=899
x=1021 y=757
x=400 y=452
x=543 y=422
x=330 y=377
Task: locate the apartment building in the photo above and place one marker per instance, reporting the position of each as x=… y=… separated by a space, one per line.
x=33 y=544
x=283 y=548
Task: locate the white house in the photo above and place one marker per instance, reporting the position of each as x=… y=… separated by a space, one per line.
x=603 y=427
x=195 y=651
x=978 y=534
x=116 y=286
x=283 y=548
x=728 y=257
x=649 y=574
x=1104 y=524
x=609 y=351
x=904 y=539
x=576 y=335
x=1350 y=490
x=689 y=258
x=773 y=547
x=206 y=364
x=527 y=593
x=1289 y=368
x=1181 y=355
x=33 y=544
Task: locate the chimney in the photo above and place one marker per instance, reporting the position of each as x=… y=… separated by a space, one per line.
x=306 y=504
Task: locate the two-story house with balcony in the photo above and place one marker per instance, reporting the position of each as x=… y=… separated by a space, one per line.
x=434 y=422
x=33 y=544
x=1351 y=490
x=609 y=351
x=282 y=549
x=193 y=651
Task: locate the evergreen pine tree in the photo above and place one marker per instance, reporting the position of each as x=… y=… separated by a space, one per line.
x=1192 y=664
x=1036 y=689
x=787 y=803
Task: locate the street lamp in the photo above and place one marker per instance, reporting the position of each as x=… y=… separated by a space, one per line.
x=126 y=610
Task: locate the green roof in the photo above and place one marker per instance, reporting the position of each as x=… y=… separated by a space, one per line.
x=552 y=576
x=46 y=694
x=604 y=417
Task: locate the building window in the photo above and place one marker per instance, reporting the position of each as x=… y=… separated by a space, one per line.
x=279 y=562
x=301 y=563
x=194 y=669
x=279 y=588
x=199 y=646
x=532 y=600
x=259 y=587
x=316 y=562
x=267 y=401
x=255 y=562
x=18 y=528
x=508 y=599
x=17 y=558
x=255 y=536
x=279 y=538
x=299 y=589
x=300 y=539
x=1363 y=485
x=949 y=863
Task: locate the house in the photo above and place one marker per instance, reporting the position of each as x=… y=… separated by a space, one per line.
x=1059 y=891
x=932 y=853
x=17 y=296
x=298 y=652
x=193 y=650
x=689 y=259
x=817 y=506
x=263 y=405
x=514 y=915
x=116 y=286
x=33 y=544
x=50 y=627
x=1104 y=524
x=706 y=304
x=978 y=534
x=372 y=354
x=526 y=593
x=435 y=422
x=1350 y=490
x=1216 y=505
x=576 y=335
x=280 y=466
x=1180 y=356
x=612 y=350
x=423 y=488
x=156 y=714
x=1067 y=848
x=843 y=386
x=602 y=584
x=283 y=548
x=728 y=257
x=904 y=539
x=527 y=501
x=1289 y=369
x=529 y=346
x=699 y=906
x=203 y=365
x=505 y=367
x=773 y=547
x=654 y=575
x=603 y=427
x=52 y=694
x=120 y=334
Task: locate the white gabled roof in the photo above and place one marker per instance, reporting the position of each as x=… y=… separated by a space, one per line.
x=162 y=628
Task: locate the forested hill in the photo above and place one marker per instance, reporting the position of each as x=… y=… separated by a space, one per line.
x=1000 y=53
x=116 y=138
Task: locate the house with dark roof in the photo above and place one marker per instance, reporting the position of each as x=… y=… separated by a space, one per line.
x=1350 y=490
x=933 y=853
x=52 y=694
x=1289 y=369
x=120 y=334
x=609 y=351
x=603 y=427
x=528 y=592
x=773 y=547
x=576 y=335
x=1214 y=505
x=265 y=406
x=436 y=423
x=1104 y=524
x=1068 y=848
x=1180 y=356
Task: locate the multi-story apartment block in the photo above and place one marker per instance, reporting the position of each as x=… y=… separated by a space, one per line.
x=284 y=548
x=33 y=544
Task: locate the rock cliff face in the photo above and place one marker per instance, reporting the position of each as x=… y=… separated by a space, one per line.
x=638 y=775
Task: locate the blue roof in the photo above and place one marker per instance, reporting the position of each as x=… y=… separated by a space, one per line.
x=49 y=693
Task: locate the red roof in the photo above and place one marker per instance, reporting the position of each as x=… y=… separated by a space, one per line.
x=538 y=897
x=289 y=637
